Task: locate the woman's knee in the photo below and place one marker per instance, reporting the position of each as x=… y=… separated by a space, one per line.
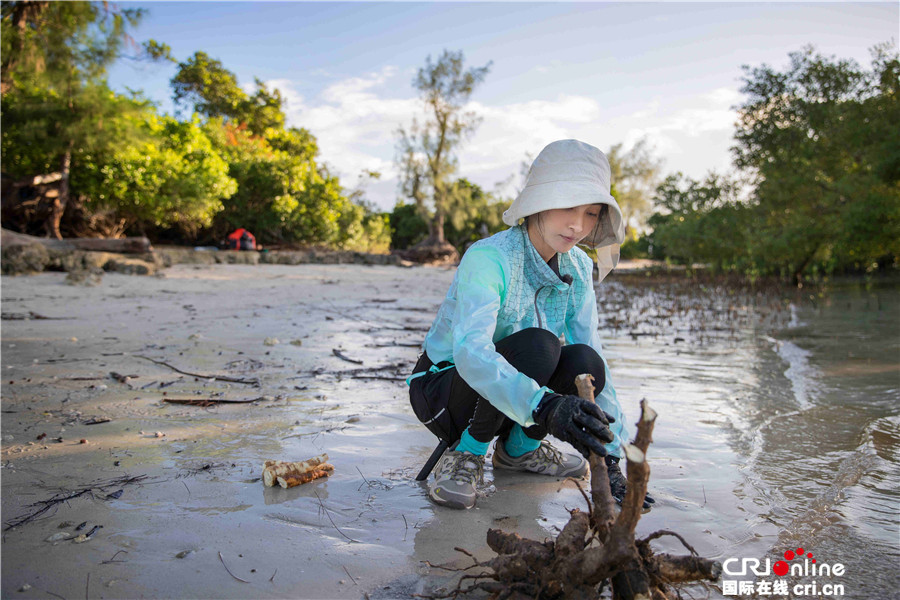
x=534 y=352
x=584 y=357
x=576 y=359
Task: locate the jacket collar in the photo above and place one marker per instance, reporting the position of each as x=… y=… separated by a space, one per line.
x=536 y=268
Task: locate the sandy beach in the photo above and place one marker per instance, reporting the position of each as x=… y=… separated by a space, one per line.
x=175 y=489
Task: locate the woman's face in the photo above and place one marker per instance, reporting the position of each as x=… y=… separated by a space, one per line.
x=558 y=230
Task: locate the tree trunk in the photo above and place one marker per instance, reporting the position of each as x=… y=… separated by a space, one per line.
x=59 y=203
x=436 y=228
x=797 y=276
x=128 y=245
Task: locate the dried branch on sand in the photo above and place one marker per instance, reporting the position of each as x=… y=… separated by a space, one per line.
x=594 y=546
x=44 y=506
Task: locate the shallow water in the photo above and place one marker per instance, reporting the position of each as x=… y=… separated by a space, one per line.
x=779 y=424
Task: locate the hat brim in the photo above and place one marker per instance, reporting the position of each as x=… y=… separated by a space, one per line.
x=567 y=194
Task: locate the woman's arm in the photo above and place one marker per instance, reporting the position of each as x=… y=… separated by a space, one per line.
x=479 y=294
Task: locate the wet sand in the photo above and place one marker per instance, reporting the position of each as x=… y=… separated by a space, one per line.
x=192 y=506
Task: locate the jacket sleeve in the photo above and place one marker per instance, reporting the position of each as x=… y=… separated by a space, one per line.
x=583 y=327
x=479 y=293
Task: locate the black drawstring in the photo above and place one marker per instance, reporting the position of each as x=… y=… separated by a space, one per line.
x=536 y=311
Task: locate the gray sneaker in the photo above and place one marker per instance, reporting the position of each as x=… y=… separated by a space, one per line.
x=454 y=481
x=545 y=460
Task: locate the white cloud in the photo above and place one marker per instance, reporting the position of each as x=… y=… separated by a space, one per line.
x=711 y=111
x=355 y=121
x=354 y=125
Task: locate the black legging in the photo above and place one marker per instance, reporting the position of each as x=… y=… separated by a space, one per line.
x=534 y=352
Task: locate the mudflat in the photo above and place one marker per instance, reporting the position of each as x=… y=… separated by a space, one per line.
x=278 y=362
x=90 y=437
x=111 y=490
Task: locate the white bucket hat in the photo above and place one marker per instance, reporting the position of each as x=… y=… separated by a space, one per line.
x=565 y=174
x=570 y=173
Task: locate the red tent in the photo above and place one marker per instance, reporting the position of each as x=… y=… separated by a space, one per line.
x=241 y=239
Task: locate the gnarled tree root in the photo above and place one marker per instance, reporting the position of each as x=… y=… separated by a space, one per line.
x=594 y=546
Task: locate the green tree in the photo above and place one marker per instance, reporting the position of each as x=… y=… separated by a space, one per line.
x=57 y=109
x=427 y=151
x=284 y=194
x=701 y=221
x=472 y=214
x=820 y=141
x=61 y=44
x=407 y=226
x=174 y=179
x=635 y=174
x=205 y=85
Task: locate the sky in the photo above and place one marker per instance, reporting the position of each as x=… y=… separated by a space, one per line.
x=602 y=72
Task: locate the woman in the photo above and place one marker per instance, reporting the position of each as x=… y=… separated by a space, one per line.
x=493 y=364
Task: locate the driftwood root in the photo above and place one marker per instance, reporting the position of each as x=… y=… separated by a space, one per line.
x=289 y=474
x=594 y=546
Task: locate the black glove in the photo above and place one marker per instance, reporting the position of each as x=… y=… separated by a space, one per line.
x=618 y=484
x=575 y=420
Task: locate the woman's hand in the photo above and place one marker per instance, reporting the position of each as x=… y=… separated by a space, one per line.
x=575 y=420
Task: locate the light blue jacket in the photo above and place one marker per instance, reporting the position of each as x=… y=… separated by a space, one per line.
x=502 y=286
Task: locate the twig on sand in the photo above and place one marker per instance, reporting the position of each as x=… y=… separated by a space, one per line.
x=343 y=356
x=396 y=367
x=348 y=574
x=45 y=505
x=52 y=594
x=322 y=504
x=31 y=315
x=366 y=481
x=113 y=559
x=201 y=375
x=272 y=578
x=229 y=570
x=87 y=587
x=211 y=401
x=328 y=430
x=584 y=495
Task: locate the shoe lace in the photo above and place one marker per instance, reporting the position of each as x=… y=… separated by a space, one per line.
x=548 y=453
x=468 y=466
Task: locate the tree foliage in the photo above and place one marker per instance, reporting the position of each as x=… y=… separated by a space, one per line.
x=701 y=222
x=820 y=139
x=205 y=85
x=230 y=163
x=61 y=44
x=473 y=214
x=427 y=151
x=284 y=195
x=635 y=174
x=174 y=179
x=57 y=108
x=818 y=142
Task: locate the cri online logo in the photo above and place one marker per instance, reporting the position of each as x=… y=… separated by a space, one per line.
x=741 y=566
